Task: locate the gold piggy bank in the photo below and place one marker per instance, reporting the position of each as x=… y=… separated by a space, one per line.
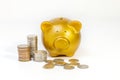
x=61 y=36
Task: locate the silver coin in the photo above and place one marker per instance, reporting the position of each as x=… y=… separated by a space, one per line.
x=83 y=66
x=31 y=37
x=40 y=56
x=32 y=42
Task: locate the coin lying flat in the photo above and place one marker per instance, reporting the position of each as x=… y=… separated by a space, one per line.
x=48 y=66
x=83 y=66
x=60 y=63
x=73 y=60
x=74 y=64
x=68 y=67
x=56 y=60
x=49 y=61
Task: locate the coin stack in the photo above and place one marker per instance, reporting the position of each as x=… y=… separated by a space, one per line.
x=32 y=42
x=24 y=52
x=40 y=56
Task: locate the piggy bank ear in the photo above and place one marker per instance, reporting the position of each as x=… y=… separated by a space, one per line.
x=76 y=25
x=45 y=26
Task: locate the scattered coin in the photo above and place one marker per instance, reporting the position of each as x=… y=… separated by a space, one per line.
x=83 y=66
x=56 y=60
x=48 y=66
x=49 y=61
x=74 y=64
x=60 y=63
x=68 y=67
x=73 y=60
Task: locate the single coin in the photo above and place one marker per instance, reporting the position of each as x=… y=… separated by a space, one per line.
x=83 y=66
x=48 y=66
x=68 y=67
x=49 y=61
x=56 y=60
x=73 y=60
x=74 y=64
x=60 y=63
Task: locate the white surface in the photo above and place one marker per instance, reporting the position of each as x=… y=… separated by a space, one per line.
x=100 y=45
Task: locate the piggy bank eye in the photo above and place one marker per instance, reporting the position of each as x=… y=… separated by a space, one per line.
x=57 y=31
x=65 y=31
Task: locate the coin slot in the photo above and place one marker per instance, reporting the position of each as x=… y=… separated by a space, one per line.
x=57 y=31
x=61 y=18
x=65 y=31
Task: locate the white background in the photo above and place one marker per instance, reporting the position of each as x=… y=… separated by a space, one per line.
x=99 y=48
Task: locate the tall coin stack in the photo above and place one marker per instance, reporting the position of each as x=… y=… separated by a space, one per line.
x=32 y=42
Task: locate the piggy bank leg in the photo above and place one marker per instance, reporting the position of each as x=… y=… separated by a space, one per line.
x=69 y=54
x=53 y=54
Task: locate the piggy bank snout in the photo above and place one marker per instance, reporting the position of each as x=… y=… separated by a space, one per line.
x=61 y=43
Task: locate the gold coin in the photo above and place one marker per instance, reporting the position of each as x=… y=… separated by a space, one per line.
x=60 y=63
x=68 y=67
x=56 y=60
x=73 y=60
x=83 y=66
x=74 y=64
x=49 y=61
x=48 y=66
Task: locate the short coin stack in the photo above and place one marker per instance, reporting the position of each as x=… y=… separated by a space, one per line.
x=24 y=52
x=40 y=56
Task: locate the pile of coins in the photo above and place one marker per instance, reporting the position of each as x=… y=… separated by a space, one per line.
x=60 y=62
x=29 y=50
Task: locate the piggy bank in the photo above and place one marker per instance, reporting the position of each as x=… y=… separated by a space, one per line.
x=61 y=36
